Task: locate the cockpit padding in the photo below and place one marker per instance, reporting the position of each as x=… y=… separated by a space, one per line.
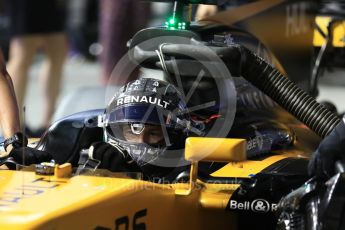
x=66 y=137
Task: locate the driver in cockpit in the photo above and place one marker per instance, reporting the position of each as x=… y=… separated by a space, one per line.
x=145 y=127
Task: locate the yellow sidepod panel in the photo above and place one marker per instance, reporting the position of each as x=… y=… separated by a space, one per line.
x=217 y=195
x=28 y=201
x=215 y=149
x=249 y=167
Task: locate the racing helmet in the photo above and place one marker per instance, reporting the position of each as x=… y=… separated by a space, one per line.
x=149 y=118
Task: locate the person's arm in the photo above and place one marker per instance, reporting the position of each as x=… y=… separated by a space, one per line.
x=331 y=149
x=9 y=115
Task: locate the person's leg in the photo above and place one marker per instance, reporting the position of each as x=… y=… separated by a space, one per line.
x=55 y=47
x=113 y=24
x=142 y=12
x=22 y=51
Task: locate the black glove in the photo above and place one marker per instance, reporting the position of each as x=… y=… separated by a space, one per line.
x=115 y=159
x=31 y=156
x=330 y=150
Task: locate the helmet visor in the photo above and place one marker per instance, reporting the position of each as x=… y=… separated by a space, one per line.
x=138 y=133
x=139 y=113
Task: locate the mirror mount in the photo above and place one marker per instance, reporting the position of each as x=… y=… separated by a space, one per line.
x=211 y=150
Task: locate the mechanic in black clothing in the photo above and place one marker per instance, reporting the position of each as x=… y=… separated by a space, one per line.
x=330 y=150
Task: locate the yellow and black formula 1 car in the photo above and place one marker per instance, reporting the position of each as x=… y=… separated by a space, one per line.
x=235 y=181
x=239 y=193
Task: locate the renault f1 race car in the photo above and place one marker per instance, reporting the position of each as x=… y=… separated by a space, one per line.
x=241 y=163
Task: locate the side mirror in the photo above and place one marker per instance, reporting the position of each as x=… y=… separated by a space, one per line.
x=211 y=149
x=215 y=149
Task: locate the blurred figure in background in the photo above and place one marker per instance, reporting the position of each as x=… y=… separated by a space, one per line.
x=160 y=11
x=37 y=25
x=204 y=11
x=82 y=28
x=9 y=117
x=119 y=21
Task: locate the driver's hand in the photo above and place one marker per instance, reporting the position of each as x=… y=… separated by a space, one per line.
x=29 y=156
x=330 y=150
x=113 y=158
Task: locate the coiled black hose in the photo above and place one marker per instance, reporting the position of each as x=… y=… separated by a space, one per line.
x=287 y=94
x=261 y=74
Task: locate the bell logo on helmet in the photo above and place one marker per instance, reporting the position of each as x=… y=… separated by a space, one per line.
x=142 y=99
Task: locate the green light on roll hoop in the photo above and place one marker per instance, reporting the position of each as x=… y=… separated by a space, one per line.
x=174 y=24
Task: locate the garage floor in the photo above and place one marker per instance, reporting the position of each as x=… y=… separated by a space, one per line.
x=332 y=88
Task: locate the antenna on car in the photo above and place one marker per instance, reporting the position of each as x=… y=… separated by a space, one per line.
x=178 y=21
x=23 y=149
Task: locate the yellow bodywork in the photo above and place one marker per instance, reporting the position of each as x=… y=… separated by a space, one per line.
x=338 y=32
x=216 y=149
x=31 y=201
